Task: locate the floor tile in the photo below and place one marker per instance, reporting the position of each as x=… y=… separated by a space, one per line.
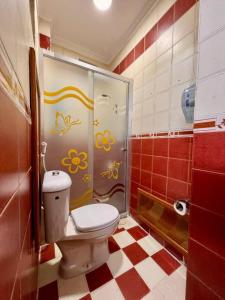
x=98 y=277
x=57 y=252
x=49 y=291
x=150 y=272
x=172 y=287
x=119 y=263
x=155 y=295
x=119 y=230
x=123 y=239
x=113 y=246
x=109 y=291
x=182 y=271
x=48 y=272
x=87 y=297
x=135 y=253
x=132 y=285
x=149 y=246
x=137 y=233
x=127 y=223
x=166 y=261
x=72 y=289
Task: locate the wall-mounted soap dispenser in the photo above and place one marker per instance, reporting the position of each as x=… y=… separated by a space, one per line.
x=188 y=103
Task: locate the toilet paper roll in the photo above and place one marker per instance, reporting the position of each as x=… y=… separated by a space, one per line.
x=180 y=207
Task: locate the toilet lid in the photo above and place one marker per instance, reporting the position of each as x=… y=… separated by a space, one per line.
x=94 y=216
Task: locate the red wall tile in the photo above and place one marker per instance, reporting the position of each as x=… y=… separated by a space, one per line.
x=146 y=163
x=136 y=145
x=151 y=37
x=139 y=48
x=147 y=146
x=177 y=189
x=178 y=169
x=44 y=41
x=160 y=165
x=130 y=58
x=207 y=266
x=136 y=160
x=159 y=184
x=208 y=229
x=9 y=166
x=161 y=147
x=182 y=6
x=135 y=175
x=180 y=147
x=117 y=70
x=209 y=191
x=196 y=290
x=10 y=246
x=166 y=21
x=209 y=151
x=146 y=179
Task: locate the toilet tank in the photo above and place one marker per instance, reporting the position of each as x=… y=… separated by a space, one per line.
x=56 y=196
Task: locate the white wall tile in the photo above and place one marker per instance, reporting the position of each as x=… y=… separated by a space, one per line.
x=163 y=62
x=162 y=82
x=210 y=97
x=165 y=41
x=211 y=17
x=183 y=71
x=162 y=121
x=184 y=48
x=148 y=123
x=177 y=120
x=149 y=55
x=162 y=101
x=211 y=55
x=149 y=72
x=184 y=25
x=148 y=107
x=149 y=89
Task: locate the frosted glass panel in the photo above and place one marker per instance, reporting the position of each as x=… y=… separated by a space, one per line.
x=110 y=132
x=68 y=112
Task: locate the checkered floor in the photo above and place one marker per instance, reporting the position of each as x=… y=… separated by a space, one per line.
x=138 y=268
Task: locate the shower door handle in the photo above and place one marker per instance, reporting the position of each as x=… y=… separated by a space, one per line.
x=123 y=149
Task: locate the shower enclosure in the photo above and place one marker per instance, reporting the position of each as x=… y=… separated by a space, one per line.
x=85 y=123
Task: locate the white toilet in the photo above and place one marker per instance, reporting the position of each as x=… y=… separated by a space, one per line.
x=82 y=234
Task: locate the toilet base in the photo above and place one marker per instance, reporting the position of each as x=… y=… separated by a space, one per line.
x=80 y=256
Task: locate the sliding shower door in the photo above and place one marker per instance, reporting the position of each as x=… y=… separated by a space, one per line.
x=84 y=122
x=67 y=125
x=110 y=139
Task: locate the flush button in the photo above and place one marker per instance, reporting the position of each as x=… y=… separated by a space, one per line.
x=55 y=173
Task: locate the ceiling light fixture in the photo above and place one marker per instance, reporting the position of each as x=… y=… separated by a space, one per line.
x=103 y=4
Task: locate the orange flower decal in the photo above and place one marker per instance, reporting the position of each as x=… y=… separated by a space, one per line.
x=75 y=161
x=104 y=140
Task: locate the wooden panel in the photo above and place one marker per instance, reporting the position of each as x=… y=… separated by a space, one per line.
x=160 y=216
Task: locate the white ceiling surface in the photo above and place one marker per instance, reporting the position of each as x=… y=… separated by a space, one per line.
x=79 y=26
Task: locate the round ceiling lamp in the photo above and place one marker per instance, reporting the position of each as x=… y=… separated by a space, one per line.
x=103 y=4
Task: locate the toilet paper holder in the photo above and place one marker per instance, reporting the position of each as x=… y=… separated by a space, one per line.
x=181 y=206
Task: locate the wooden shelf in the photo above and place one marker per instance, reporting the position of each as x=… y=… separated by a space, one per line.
x=160 y=216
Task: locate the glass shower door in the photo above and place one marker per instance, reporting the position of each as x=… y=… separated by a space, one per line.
x=110 y=141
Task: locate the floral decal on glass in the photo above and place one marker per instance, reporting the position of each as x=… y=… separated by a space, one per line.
x=113 y=171
x=104 y=140
x=63 y=123
x=75 y=161
x=86 y=178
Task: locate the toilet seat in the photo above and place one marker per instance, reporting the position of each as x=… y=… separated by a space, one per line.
x=94 y=217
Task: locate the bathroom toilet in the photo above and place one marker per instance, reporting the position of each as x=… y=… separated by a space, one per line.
x=82 y=234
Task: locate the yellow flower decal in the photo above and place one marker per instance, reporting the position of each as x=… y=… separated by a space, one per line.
x=113 y=171
x=75 y=161
x=96 y=122
x=104 y=140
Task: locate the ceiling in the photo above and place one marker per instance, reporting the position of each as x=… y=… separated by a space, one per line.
x=79 y=26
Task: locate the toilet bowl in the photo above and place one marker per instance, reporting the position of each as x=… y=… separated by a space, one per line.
x=82 y=234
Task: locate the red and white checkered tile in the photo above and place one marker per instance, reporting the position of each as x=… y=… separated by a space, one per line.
x=138 y=268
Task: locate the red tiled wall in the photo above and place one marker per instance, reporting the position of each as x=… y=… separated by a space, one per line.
x=206 y=262
x=161 y=166
x=18 y=260
x=44 y=41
